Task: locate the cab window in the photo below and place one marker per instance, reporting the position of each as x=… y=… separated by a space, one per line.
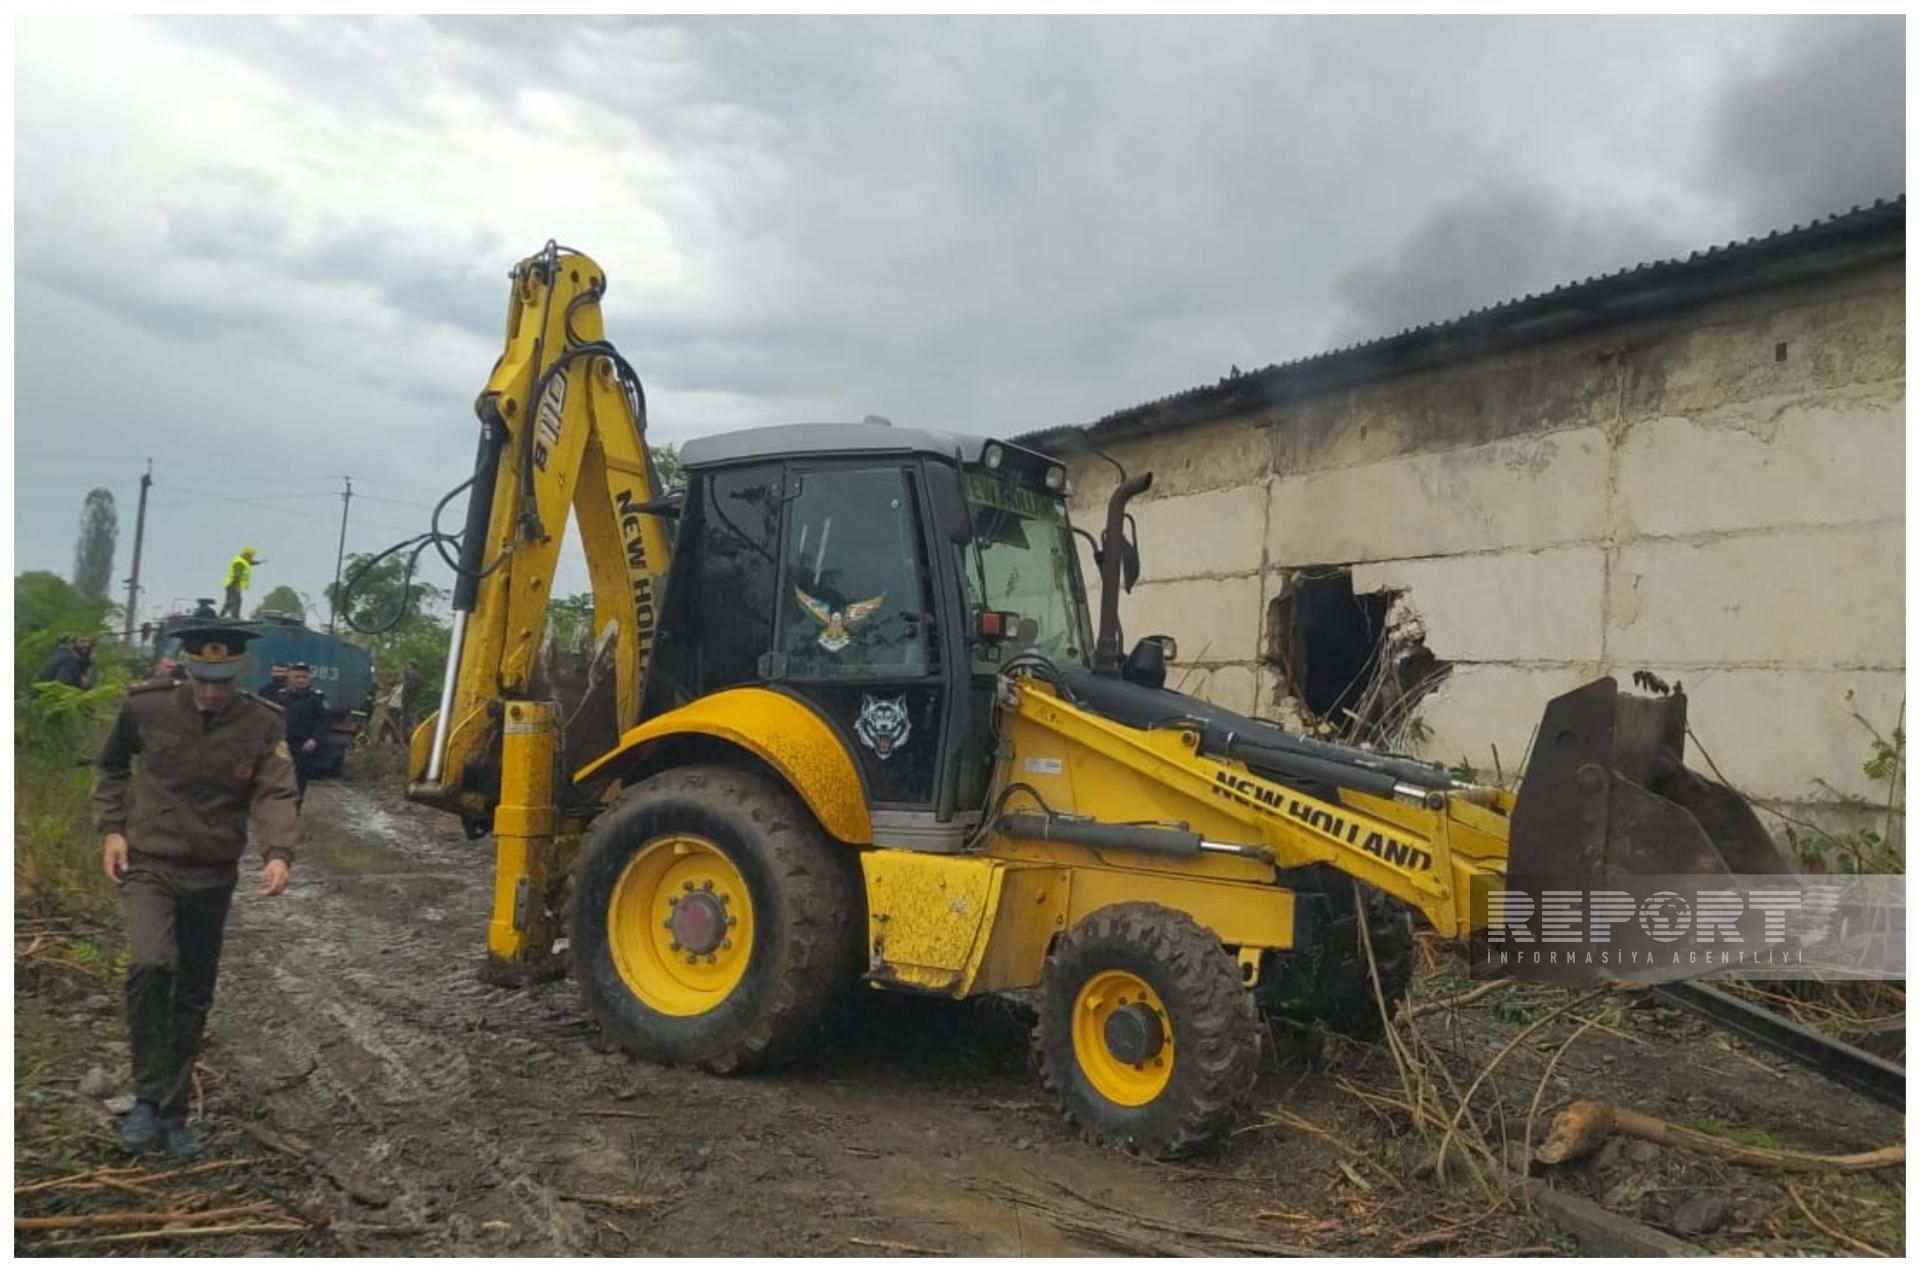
x=854 y=606
x=1022 y=560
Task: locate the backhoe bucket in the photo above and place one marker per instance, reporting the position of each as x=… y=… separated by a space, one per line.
x=1607 y=799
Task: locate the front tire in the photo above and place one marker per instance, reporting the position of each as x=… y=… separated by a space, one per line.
x=1147 y=1037
x=714 y=922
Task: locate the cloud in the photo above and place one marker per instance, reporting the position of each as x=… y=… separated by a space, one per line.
x=288 y=238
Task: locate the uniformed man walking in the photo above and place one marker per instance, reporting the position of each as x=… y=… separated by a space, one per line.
x=174 y=828
x=306 y=722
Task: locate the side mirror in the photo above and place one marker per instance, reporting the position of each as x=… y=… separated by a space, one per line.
x=1129 y=564
x=949 y=500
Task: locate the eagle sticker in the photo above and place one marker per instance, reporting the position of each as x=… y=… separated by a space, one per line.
x=834 y=623
x=883 y=726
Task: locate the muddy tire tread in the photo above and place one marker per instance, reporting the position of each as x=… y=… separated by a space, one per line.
x=816 y=882
x=1216 y=1027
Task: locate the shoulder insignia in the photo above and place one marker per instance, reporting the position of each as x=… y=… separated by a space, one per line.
x=268 y=703
x=280 y=749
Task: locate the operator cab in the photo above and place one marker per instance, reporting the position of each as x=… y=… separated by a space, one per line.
x=883 y=576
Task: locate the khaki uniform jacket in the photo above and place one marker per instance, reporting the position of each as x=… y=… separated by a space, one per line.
x=198 y=779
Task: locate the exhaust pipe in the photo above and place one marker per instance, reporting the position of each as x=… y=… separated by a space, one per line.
x=1106 y=647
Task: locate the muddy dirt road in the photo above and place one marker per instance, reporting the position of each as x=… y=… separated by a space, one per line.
x=483 y=1119
x=415 y=1109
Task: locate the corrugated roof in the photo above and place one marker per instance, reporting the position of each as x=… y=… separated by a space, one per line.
x=1846 y=238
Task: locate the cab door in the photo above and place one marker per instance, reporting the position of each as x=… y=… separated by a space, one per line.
x=858 y=635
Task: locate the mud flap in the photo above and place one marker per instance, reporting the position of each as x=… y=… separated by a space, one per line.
x=1607 y=797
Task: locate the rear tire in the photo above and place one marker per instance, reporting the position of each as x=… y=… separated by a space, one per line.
x=725 y=853
x=1164 y=1089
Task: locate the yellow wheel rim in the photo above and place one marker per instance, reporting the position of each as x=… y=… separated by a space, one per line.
x=680 y=925
x=1143 y=1030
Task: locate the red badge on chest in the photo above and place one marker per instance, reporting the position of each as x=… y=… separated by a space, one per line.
x=243 y=772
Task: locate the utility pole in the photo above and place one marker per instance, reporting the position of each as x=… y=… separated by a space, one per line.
x=139 y=535
x=340 y=556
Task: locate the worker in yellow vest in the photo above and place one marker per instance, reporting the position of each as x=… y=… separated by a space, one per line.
x=239 y=575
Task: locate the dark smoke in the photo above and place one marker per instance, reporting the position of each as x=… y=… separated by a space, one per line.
x=1495 y=244
x=1821 y=132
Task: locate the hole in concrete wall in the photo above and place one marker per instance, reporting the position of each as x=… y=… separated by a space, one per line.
x=1355 y=664
x=1780 y=352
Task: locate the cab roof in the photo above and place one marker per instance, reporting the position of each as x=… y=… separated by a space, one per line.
x=870 y=438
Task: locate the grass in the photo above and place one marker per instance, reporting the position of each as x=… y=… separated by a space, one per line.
x=1751 y=1136
x=56 y=853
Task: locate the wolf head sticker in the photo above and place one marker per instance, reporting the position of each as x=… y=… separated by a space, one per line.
x=883 y=726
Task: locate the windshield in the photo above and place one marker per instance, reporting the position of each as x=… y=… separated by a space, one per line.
x=1022 y=559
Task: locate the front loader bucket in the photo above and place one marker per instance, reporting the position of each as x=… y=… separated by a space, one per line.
x=1607 y=798
x=1607 y=794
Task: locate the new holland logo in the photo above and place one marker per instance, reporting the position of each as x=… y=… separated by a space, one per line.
x=1254 y=794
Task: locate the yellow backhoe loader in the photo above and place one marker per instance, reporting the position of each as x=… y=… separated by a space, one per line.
x=850 y=723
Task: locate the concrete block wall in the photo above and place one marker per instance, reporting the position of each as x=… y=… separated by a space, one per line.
x=1715 y=495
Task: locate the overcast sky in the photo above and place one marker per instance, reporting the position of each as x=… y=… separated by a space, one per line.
x=269 y=253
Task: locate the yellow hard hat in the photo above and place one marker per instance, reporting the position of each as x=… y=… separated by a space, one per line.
x=249 y=551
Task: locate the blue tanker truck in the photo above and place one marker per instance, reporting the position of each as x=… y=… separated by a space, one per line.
x=343 y=672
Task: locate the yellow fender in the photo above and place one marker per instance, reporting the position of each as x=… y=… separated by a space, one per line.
x=783 y=732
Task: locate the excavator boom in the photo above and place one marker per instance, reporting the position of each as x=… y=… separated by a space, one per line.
x=562 y=429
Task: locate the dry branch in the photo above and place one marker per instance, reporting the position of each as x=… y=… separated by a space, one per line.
x=172 y=1234
x=134 y=1218
x=1458 y=1000
x=1841 y=1237
x=1584 y=1125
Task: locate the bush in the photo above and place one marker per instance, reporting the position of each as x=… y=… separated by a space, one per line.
x=57 y=730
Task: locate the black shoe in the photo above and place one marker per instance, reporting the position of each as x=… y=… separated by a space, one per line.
x=141 y=1130
x=181 y=1143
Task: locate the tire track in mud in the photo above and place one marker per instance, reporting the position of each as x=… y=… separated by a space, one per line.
x=353 y=1014
x=371 y=990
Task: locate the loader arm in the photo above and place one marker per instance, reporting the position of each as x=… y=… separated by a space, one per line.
x=562 y=428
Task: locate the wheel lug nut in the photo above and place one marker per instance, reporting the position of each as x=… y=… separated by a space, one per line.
x=727 y=944
x=707 y=884
x=667 y=924
x=710 y=960
x=692 y=959
x=687 y=885
x=731 y=920
x=674 y=946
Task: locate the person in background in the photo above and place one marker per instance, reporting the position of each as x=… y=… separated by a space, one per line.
x=409 y=698
x=306 y=723
x=239 y=577
x=173 y=831
x=71 y=664
x=275 y=690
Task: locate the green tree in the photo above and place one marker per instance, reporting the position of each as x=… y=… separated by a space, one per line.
x=398 y=623
x=281 y=600
x=45 y=608
x=666 y=462
x=567 y=615
x=93 y=550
